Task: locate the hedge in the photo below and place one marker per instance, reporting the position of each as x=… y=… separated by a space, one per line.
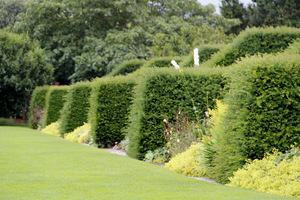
x=127 y=67
x=263 y=112
x=255 y=41
x=37 y=105
x=205 y=52
x=159 y=92
x=294 y=48
x=55 y=99
x=110 y=101
x=162 y=62
x=76 y=107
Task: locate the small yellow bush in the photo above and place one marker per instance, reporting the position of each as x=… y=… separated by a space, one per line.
x=188 y=163
x=81 y=134
x=52 y=129
x=271 y=175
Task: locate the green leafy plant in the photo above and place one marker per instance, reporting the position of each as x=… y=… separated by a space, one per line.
x=160 y=155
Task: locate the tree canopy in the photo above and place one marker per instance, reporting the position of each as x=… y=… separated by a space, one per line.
x=22 y=67
x=85 y=39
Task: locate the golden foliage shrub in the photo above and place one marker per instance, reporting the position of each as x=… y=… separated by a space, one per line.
x=52 y=129
x=275 y=173
x=81 y=134
x=188 y=162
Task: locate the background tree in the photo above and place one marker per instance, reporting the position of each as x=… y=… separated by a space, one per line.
x=9 y=9
x=86 y=39
x=22 y=67
x=275 y=13
x=233 y=9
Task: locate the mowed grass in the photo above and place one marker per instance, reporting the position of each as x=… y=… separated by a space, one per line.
x=34 y=165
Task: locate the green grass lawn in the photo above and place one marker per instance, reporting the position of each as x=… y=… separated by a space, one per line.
x=34 y=165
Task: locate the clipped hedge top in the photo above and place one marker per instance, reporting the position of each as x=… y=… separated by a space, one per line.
x=205 y=52
x=114 y=79
x=253 y=41
x=294 y=48
x=127 y=67
x=162 y=62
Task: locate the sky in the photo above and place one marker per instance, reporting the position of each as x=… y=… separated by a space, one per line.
x=217 y=3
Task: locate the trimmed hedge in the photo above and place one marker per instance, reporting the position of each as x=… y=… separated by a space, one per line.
x=37 y=101
x=127 y=67
x=110 y=101
x=55 y=99
x=160 y=92
x=263 y=112
x=294 y=48
x=76 y=107
x=162 y=62
x=205 y=52
x=255 y=41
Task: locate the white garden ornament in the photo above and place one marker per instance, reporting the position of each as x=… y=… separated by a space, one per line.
x=175 y=64
x=196 y=57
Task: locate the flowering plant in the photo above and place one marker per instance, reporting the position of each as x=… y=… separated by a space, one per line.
x=181 y=134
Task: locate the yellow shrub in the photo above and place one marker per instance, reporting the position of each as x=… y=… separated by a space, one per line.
x=188 y=162
x=271 y=176
x=81 y=134
x=216 y=116
x=52 y=129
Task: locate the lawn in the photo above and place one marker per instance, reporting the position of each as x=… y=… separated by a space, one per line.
x=34 y=165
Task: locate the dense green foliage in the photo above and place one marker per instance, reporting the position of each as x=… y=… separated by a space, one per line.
x=37 y=106
x=231 y=9
x=294 y=48
x=274 y=13
x=110 y=101
x=81 y=49
x=22 y=67
x=127 y=67
x=262 y=114
x=9 y=9
x=205 y=52
x=76 y=107
x=256 y=41
x=55 y=99
x=262 y=13
x=159 y=92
